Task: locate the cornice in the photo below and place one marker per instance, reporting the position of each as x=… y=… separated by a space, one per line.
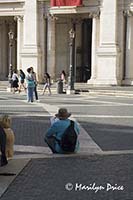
x=73 y=10
x=11 y=1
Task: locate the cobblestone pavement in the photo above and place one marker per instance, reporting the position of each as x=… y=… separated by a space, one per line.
x=30 y=130
x=109 y=123
x=47 y=179
x=110 y=136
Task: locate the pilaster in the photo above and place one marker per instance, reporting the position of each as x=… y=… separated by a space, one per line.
x=128 y=79
x=95 y=42
x=51 y=47
x=30 y=55
x=19 y=40
x=108 y=52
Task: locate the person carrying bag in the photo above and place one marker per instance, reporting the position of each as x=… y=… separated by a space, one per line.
x=62 y=136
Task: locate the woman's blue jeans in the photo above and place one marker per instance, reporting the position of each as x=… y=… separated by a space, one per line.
x=30 y=91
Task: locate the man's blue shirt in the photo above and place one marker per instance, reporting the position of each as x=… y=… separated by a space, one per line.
x=57 y=130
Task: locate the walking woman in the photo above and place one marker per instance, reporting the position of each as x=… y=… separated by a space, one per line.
x=30 y=85
x=47 y=83
x=63 y=76
x=63 y=79
x=15 y=82
x=22 y=79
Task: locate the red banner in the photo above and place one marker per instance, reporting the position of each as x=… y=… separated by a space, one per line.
x=66 y=2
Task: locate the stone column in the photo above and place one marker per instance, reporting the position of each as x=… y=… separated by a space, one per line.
x=51 y=47
x=129 y=48
x=19 y=40
x=41 y=39
x=95 y=40
x=108 y=52
x=30 y=51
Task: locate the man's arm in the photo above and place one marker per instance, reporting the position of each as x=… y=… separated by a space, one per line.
x=51 y=131
x=77 y=127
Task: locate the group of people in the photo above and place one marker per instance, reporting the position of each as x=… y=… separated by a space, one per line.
x=32 y=84
x=28 y=82
x=16 y=83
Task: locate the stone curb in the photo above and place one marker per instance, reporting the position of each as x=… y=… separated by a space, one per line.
x=9 y=172
x=108 y=92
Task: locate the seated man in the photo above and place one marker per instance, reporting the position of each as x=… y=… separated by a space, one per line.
x=3 y=147
x=61 y=134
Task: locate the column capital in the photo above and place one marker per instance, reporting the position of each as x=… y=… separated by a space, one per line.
x=19 y=18
x=100 y=2
x=50 y=17
x=128 y=13
x=95 y=14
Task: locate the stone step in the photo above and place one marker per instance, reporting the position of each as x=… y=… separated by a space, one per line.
x=84 y=88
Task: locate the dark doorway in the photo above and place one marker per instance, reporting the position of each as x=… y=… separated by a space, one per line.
x=83 y=72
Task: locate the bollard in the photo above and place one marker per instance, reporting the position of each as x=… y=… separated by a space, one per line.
x=60 y=87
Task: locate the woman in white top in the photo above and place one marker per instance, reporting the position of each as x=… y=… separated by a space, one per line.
x=15 y=81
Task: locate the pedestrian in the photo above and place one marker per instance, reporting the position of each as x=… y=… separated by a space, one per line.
x=15 y=81
x=35 y=82
x=30 y=85
x=22 y=80
x=57 y=133
x=63 y=79
x=63 y=76
x=47 y=83
x=3 y=160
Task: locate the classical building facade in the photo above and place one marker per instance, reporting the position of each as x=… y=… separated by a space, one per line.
x=103 y=43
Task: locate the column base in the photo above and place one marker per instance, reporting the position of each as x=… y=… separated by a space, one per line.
x=104 y=82
x=107 y=69
x=127 y=81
